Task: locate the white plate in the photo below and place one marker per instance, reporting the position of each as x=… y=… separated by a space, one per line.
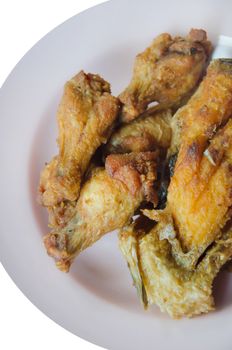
x=96 y=299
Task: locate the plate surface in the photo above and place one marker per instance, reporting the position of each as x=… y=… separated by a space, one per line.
x=96 y=300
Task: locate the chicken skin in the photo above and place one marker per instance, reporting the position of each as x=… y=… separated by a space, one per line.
x=107 y=202
x=167 y=72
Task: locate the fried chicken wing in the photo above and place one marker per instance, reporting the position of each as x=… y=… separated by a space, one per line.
x=199 y=194
x=85 y=117
x=143 y=134
x=160 y=280
x=107 y=202
x=167 y=72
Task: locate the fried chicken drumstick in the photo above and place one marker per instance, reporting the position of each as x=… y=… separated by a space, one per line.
x=107 y=201
x=166 y=72
x=85 y=118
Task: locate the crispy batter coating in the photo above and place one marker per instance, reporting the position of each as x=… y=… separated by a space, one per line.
x=166 y=72
x=85 y=117
x=199 y=195
x=143 y=134
x=105 y=204
x=160 y=280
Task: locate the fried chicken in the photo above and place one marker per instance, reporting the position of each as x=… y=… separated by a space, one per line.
x=173 y=253
x=167 y=72
x=143 y=134
x=160 y=280
x=85 y=118
x=107 y=202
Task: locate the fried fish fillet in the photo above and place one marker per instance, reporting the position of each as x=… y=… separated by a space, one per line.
x=143 y=134
x=167 y=72
x=85 y=117
x=107 y=202
x=160 y=280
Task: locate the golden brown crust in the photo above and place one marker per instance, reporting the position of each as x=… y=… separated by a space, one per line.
x=166 y=72
x=136 y=170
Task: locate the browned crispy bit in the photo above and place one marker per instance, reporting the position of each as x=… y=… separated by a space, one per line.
x=136 y=171
x=56 y=246
x=199 y=35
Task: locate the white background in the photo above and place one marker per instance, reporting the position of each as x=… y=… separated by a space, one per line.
x=22 y=24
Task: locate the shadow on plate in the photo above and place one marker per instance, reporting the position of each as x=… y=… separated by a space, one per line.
x=222 y=290
x=102 y=270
